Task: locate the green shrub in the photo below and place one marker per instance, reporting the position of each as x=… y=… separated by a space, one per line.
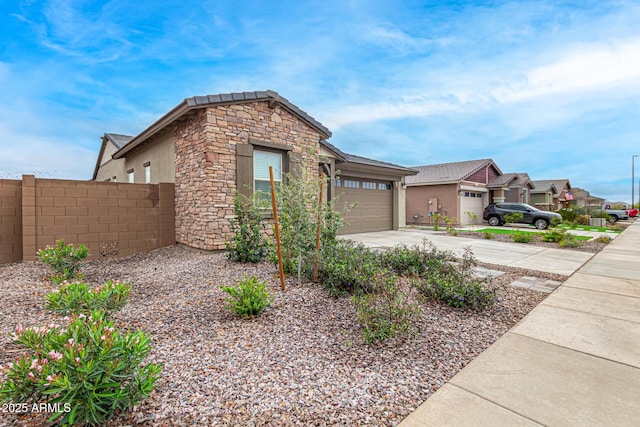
x=523 y=237
x=64 y=260
x=457 y=286
x=249 y=298
x=513 y=217
x=346 y=267
x=386 y=311
x=555 y=235
x=414 y=260
x=435 y=219
x=76 y=298
x=604 y=239
x=568 y=214
x=487 y=235
x=247 y=244
x=299 y=213
x=570 y=241
x=88 y=368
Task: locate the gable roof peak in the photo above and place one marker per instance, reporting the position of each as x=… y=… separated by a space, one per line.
x=450 y=172
x=197 y=102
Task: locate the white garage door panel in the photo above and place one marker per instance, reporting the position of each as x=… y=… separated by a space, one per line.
x=471 y=204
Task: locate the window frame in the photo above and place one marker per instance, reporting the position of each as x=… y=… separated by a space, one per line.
x=276 y=179
x=147 y=172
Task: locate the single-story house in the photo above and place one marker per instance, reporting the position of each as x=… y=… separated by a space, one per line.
x=582 y=198
x=516 y=187
x=214 y=147
x=543 y=194
x=551 y=194
x=452 y=189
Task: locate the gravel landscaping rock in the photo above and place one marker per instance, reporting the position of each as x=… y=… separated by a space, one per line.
x=302 y=362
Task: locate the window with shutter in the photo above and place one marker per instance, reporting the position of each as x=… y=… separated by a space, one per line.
x=261 y=162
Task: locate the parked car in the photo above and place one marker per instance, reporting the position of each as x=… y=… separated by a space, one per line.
x=633 y=213
x=495 y=212
x=615 y=214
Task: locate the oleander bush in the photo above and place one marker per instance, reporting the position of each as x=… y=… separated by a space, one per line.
x=76 y=298
x=64 y=260
x=249 y=298
x=87 y=367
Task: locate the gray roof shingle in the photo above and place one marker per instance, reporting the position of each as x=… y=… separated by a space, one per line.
x=544 y=185
x=118 y=140
x=511 y=179
x=448 y=172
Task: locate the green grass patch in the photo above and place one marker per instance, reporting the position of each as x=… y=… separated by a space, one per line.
x=504 y=231
x=591 y=228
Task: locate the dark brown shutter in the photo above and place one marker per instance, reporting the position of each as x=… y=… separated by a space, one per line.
x=295 y=164
x=244 y=169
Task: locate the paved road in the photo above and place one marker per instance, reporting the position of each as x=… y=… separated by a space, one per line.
x=559 y=261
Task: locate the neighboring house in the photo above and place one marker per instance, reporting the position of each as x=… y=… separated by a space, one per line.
x=512 y=187
x=110 y=169
x=583 y=199
x=451 y=189
x=214 y=147
x=551 y=194
x=543 y=194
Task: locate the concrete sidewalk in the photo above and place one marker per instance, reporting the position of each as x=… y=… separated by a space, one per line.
x=560 y=261
x=572 y=361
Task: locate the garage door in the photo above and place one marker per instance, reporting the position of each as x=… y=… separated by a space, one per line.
x=374 y=204
x=471 y=201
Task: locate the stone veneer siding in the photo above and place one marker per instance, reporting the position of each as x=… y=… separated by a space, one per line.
x=205 y=178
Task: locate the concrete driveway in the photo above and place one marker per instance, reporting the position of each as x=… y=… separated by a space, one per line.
x=559 y=261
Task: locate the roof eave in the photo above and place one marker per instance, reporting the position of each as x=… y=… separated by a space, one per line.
x=418 y=184
x=102 y=147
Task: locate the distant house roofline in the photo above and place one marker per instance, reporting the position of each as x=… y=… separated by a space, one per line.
x=451 y=172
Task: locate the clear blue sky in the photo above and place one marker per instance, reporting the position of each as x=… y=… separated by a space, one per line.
x=551 y=88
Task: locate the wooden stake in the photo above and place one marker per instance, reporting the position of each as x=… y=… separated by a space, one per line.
x=315 y=267
x=275 y=215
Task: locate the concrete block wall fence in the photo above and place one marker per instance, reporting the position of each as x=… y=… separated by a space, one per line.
x=111 y=219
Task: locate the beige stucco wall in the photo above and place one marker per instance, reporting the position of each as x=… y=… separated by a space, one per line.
x=161 y=155
x=110 y=167
x=418 y=197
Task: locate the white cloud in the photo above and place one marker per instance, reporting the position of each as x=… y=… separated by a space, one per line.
x=590 y=68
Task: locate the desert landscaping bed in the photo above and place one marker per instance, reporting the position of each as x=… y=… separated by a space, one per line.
x=302 y=362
